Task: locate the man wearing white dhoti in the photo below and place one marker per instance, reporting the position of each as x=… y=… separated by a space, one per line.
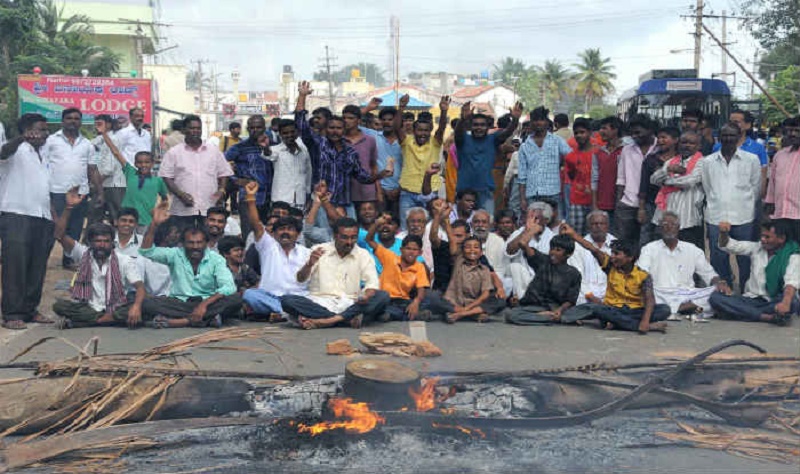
x=672 y=264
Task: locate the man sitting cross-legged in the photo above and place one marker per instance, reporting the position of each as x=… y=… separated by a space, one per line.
x=672 y=264
x=281 y=258
x=629 y=303
x=99 y=289
x=334 y=272
x=556 y=284
x=403 y=277
x=203 y=292
x=770 y=294
x=471 y=291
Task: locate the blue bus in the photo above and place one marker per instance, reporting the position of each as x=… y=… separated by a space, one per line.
x=663 y=95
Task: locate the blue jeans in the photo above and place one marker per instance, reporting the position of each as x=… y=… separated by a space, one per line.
x=409 y=200
x=720 y=260
x=262 y=302
x=486 y=201
x=742 y=308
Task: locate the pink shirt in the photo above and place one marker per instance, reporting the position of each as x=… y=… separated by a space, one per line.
x=195 y=172
x=784 y=184
x=629 y=172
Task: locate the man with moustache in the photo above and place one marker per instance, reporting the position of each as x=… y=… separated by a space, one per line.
x=132 y=135
x=281 y=258
x=203 y=292
x=26 y=225
x=494 y=247
x=196 y=173
x=673 y=264
x=215 y=221
x=335 y=272
x=98 y=294
x=249 y=163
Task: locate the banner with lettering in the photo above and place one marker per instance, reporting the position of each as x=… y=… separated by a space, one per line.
x=49 y=95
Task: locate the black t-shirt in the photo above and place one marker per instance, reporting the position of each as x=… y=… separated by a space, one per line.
x=553 y=284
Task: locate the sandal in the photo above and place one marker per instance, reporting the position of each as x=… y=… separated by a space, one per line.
x=64 y=323
x=275 y=318
x=483 y=318
x=215 y=322
x=42 y=319
x=357 y=321
x=449 y=319
x=15 y=324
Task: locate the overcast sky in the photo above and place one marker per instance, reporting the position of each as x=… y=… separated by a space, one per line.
x=462 y=36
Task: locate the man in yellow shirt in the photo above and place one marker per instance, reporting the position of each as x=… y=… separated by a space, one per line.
x=420 y=151
x=630 y=302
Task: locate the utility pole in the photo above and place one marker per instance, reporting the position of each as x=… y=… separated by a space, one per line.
x=394 y=28
x=725 y=42
x=200 y=63
x=698 y=32
x=755 y=66
x=328 y=66
x=139 y=40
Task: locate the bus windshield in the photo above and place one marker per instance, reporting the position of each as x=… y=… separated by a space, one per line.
x=667 y=108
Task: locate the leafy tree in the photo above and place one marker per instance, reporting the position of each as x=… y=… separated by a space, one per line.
x=786 y=90
x=774 y=22
x=594 y=76
x=31 y=35
x=371 y=72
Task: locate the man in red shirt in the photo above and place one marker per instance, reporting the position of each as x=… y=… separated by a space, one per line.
x=604 y=166
x=578 y=167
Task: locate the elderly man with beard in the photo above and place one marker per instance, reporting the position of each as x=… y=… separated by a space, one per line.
x=203 y=292
x=673 y=264
x=521 y=273
x=98 y=294
x=335 y=272
x=281 y=258
x=493 y=247
x=593 y=278
x=196 y=173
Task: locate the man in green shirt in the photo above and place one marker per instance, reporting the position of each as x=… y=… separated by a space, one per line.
x=203 y=291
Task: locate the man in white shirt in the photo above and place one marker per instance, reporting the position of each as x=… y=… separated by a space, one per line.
x=2 y=134
x=771 y=292
x=98 y=294
x=521 y=273
x=281 y=258
x=114 y=181
x=26 y=226
x=593 y=278
x=127 y=241
x=494 y=247
x=70 y=158
x=732 y=184
x=291 y=181
x=334 y=272
x=672 y=264
x=134 y=138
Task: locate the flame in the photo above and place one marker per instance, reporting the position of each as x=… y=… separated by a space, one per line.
x=467 y=431
x=357 y=418
x=425 y=397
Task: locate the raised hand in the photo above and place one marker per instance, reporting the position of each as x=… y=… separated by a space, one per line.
x=444 y=103
x=161 y=213
x=263 y=140
x=466 y=110
x=251 y=188
x=315 y=256
x=321 y=188
x=304 y=88
x=516 y=111
x=404 y=100
x=532 y=223
x=433 y=169
x=439 y=207
x=374 y=103
x=725 y=227
x=73 y=198
x=567 y=230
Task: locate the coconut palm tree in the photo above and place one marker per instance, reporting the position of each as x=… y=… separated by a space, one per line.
x=554 y=80
x=509 y=70
x=594 y=76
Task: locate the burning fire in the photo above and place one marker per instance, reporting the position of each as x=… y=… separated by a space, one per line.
x=357 y=418
x=474 y=432
x=425 y=397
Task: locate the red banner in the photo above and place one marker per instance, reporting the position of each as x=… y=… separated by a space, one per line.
x=49 y=95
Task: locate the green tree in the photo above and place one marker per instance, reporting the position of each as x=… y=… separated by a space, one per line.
x=594 y=77
x=786 y=90
x=774 y=22
x=371 y=72
x=32 y=35
x=509 y=70
x=554 y=81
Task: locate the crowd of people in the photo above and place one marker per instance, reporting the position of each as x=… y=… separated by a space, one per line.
x=367 y=217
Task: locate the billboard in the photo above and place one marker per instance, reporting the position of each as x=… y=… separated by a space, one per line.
x=49 y=95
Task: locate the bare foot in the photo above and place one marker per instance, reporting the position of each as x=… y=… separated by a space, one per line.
x=308 y=323
x=483 y=318
x=658 y=327
x=276 y=318
x=450 y=318
x=609 y=326
x=42 y=319
x=357 y=321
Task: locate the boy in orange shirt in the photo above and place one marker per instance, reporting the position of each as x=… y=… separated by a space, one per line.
x=403 y=277
x=578 y=167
